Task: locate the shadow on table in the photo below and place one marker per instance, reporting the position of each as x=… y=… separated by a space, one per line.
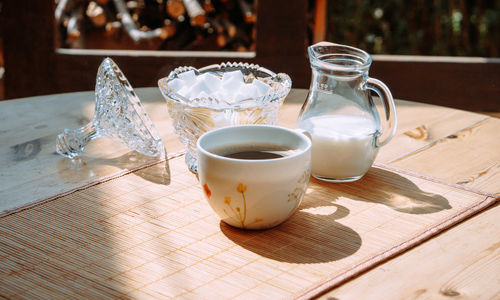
x=311 y=235
x=79 y=170
x=391 y=189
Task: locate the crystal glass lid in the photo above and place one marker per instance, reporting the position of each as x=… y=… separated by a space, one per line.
x=118 y=115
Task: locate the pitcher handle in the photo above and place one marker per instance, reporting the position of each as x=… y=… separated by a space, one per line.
x=390 y=119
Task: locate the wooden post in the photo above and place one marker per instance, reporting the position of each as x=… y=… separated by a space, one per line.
x=320 y=22
x=280 y=46
x=28 y=48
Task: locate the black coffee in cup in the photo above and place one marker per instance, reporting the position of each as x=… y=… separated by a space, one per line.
x=255 y=151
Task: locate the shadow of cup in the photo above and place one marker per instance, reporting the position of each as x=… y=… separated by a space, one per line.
x=391 y=189
x=307 y=237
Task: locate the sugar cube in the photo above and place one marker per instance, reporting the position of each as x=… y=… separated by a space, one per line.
x=231 y=86
x=184 y=92
x=233 y=76
x=221 y=96
x=188 y=77
x=211 y=82
x=245 y=91
x=175 y=84
x=202 y=94
x=198 y=87
x=261 y=87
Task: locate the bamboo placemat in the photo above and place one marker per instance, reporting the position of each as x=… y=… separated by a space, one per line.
x=136 y=236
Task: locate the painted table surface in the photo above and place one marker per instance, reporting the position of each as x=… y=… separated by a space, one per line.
x=455 y=146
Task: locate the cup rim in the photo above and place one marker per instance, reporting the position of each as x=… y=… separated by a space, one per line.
x=297 y=133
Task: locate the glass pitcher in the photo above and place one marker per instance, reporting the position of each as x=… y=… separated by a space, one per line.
x=339 y=113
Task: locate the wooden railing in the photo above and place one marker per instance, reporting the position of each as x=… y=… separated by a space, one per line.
x=36 y=66
x=470 y=83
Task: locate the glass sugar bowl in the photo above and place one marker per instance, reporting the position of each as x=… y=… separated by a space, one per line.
x=221 y=95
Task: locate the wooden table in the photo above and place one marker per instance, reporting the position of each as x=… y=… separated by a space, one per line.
x=49 y=205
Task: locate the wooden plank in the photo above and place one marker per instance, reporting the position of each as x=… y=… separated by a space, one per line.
x=472 y=157
x=461 y=263
x=420 y=125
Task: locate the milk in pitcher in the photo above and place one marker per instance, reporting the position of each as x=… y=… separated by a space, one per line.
x=343 y=146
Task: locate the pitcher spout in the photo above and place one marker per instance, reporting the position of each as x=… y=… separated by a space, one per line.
x=331 y=56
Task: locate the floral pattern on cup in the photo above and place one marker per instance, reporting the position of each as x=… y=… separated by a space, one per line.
x=238 y=213
x=300 y=189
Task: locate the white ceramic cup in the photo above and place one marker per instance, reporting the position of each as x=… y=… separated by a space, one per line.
x=248 y=193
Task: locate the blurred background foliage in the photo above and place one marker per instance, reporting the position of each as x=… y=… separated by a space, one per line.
x=420 y=27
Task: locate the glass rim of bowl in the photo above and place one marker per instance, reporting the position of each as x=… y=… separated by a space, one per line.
x=280 y=83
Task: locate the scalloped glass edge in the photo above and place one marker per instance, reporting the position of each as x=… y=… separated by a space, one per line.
x=280 y=83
